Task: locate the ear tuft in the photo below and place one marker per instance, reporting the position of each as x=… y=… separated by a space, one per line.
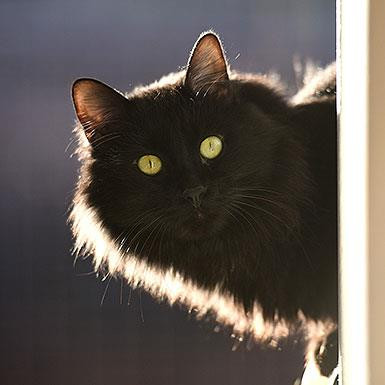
x=95 y=104
x=207 y=67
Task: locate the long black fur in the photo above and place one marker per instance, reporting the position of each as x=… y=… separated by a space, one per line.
x=267 y=227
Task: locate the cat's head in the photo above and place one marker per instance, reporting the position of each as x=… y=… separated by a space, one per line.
x=196 y=173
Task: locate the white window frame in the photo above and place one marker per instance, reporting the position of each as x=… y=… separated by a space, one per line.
x=361 y=100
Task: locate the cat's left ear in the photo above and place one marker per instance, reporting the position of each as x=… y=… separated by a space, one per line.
x=96 y=105
x=207 y=67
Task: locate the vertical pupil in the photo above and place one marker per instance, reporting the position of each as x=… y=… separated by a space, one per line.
x=211 y=145
x=150 y=163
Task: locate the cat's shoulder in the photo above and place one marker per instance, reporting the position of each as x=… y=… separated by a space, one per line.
x=318 y=84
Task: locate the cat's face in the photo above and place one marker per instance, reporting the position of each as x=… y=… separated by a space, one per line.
x=185 y=162
x=196 y=162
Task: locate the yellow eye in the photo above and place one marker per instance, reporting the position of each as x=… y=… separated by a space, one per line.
x=211 y=147
x=149 y=164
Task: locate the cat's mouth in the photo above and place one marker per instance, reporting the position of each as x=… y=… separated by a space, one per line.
x=199 y=224
x=199 y=215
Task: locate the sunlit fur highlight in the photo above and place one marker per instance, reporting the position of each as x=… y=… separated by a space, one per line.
x=168 y=285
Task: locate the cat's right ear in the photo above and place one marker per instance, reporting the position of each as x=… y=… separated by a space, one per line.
x=96 y=105
x=207 y=70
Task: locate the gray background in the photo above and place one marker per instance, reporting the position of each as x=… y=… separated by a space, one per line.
x=53 y=328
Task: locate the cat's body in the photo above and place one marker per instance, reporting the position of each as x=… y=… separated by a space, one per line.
x=249 y=234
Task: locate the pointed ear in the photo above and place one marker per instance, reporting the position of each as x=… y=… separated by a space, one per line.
x=96 y=105
x=207 y=68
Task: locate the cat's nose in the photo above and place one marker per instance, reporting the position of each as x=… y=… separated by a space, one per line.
x=194 y=195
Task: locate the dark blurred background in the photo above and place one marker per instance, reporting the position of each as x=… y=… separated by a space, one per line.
x=56 y=329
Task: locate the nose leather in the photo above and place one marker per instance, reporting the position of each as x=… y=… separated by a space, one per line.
x=194 y=195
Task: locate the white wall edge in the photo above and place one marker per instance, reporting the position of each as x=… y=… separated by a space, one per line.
x=352 y=42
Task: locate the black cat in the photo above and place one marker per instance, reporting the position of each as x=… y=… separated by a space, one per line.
x=213 y=189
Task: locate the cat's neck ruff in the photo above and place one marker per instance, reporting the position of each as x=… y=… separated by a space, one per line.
x=92 y=239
